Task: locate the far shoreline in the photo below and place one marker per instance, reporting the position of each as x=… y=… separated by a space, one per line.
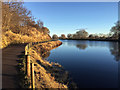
x=112 y=40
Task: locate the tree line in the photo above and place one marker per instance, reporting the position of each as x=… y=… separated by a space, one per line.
x=18 y=19
x=114 y=34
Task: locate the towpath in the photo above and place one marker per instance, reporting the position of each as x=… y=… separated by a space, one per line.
x=9 y=63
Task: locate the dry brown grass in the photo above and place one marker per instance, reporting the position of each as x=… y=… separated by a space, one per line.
x=33 y=36
x=43 y=78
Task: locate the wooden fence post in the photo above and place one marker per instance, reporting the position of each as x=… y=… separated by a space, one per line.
x=32 y=76
x=28 y=46
x=28 y=65
x=26 y=49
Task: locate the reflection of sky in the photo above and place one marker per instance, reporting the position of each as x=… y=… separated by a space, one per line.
x=89 y=66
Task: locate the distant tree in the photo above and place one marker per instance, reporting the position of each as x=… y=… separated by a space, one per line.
x=110 y=34
x=81 y=33
x=55 y=37
x=63 y=36
x=74 y=36
x=69 y=36
x=116 y=30
x=91 y=36
x=96 y=37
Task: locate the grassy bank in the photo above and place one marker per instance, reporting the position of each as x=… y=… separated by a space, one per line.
x=49 y=75
x=33 y=35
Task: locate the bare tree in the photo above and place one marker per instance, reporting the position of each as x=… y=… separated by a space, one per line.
x=14 y=16
x=40 y=23
x=18 y=19
x=116 y=30
x=81 y=34
x=63 y=36
x=69 y=36
x=55 y=37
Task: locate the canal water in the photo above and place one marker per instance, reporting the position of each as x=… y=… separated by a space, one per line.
x=91 y=64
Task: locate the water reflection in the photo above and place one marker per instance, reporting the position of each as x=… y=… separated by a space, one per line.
x=98 y=44
x=81 y=46
x=114 y=47
x=74 y=42
x=115 y=50
x=93 y=65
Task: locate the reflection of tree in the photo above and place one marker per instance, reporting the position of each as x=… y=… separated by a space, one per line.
x=81 y=46
x=114 y=47
x=115 y=50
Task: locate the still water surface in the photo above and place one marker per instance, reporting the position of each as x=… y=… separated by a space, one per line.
x=91 y=64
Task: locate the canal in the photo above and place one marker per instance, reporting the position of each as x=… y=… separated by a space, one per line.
x=91 y=64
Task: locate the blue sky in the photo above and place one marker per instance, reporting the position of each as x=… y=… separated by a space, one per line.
x=66 y=17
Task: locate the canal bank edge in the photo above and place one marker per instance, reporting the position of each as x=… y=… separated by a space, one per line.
x=48 y=75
